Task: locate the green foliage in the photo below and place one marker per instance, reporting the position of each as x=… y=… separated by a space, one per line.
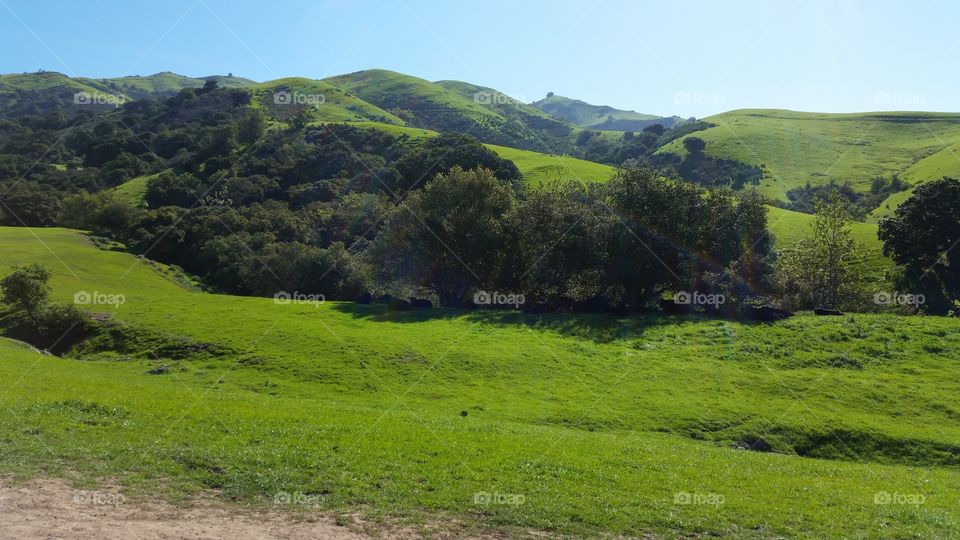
x=921 y=237
x=822 y=270
x=444 y=238
x=27 y=288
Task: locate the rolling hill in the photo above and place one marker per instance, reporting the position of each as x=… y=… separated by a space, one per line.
x=796 y=148
x=601 y=117
x=409 y=415
x=460 y=107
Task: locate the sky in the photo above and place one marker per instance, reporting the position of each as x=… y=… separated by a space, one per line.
x=687 y=58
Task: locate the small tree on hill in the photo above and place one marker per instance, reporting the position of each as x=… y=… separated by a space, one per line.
x=27 y=289
x=822 y=269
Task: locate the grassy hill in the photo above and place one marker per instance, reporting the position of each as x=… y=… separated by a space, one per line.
x=160 y=84
x=601 y=117
x=797 y=147
x=322 y=102
x=461 y=107
x=414 y=416
x=425 y=100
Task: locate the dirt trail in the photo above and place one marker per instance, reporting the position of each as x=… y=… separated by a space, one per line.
x=51 y=509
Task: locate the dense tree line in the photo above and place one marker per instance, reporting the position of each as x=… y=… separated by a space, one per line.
x=254 y=207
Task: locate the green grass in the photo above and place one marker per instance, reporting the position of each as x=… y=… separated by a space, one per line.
x=333 y=104
x=159 y=84
x=539 y=169
x=598 y=422
x=797 y=148
x=589 y=116
x=135 y=189
x=389 y=89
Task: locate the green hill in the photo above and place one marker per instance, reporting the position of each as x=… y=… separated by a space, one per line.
x=424 y=103
x=797 y=148
x=160 y=84
x=600 y=117
x=410 y=415
x=320 y=100
x=454 y=106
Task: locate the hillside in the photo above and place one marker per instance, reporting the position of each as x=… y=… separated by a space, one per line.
x=796 y=148
x=252 y=398
x=487 y=115
x=600 y=117
x=160 y=84
x=321 y=101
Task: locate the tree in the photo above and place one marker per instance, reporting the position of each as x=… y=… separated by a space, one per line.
x=442 y=153
x=822 y=269
x=446 y=236
x=922 y=237
x=27 y=289
x=694 y=145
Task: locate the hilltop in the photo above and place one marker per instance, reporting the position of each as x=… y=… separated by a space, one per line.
x=796 y=148
x=601 y=117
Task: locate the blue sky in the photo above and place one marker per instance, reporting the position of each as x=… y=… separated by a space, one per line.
x=689 y=58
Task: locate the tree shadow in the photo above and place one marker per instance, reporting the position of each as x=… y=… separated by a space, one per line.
x=597 y=327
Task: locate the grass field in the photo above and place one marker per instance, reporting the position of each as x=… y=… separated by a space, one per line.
x=585 y=425
x=797 y=148
x=539 y=169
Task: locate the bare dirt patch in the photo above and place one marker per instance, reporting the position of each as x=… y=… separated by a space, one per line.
x=52 y=509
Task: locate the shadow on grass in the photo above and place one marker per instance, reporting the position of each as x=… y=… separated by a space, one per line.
x=601 y=328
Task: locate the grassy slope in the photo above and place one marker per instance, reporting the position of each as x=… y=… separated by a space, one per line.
x=584 y=114
x=536 y=167
x=135 y=189
x=811 y=147
x=335 y=105
x=594 y=420
x=539 y=169
x=42 y=81
x=388 y=89
x=497 y=100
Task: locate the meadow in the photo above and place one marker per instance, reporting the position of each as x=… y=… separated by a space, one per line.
x=797 y=147
x=478 y=421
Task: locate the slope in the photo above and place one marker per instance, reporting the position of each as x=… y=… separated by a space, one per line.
x=453 y=106
x=601 y=117
x=418 y=414
x=796 y=148
x=321 y=101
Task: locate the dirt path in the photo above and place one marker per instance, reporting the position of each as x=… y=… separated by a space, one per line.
x=51 y=509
